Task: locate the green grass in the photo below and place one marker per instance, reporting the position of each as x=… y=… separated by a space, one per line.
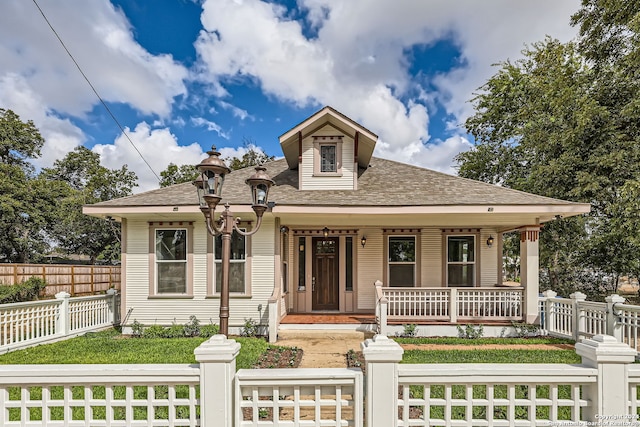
x=110 y=347
x=483 y=341
x=490 y=356
x=503 y=355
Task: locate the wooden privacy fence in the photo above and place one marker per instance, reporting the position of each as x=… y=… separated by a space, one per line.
x=73 y=279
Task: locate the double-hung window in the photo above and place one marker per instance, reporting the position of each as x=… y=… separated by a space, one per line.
x=461 y=261
x=402 y=261
x=237 y=263
x=171 y=261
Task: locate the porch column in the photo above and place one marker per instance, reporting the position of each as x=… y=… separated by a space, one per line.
x=529 y=266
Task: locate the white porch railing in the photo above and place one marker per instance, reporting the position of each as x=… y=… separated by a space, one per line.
x=277 y=310
x=410 y=305
x=576 y=318
x=603 y=390
x=27 y=323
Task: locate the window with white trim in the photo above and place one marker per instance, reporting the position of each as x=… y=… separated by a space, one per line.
x=237 y=263
x=461 y=261
x=401 y=261
x=171 y=260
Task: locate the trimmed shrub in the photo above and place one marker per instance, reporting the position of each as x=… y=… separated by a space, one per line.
x=153 y=331
x=28 y=290
x=174 y=331
x=207 y=331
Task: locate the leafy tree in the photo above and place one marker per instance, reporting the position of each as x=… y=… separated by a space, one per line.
x=25 y=205
x=253 y=157
x=19 y=141
x=89 y=183
x=174 y=174
x=552 y=124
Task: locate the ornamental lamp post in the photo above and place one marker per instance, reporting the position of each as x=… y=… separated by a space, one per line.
x=209 y=187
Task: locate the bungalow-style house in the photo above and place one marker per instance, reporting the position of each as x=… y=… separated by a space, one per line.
x=345 y=233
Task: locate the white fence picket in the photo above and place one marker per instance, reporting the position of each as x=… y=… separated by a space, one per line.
x=27 y=323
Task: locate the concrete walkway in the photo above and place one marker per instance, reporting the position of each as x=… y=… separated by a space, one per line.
x=323 y=348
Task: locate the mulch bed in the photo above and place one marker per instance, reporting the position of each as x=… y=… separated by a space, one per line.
x=274 y=357
x=280 y=357
x=355 y=359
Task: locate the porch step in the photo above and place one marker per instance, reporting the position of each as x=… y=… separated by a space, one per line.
x=329 y=331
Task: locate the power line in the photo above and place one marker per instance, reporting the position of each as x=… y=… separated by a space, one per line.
x=104 y=104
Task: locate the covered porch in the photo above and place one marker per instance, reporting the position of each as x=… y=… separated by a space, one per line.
x=435 y=311
x=334 y=275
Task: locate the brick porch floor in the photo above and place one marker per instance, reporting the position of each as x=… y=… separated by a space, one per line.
x=328 y=318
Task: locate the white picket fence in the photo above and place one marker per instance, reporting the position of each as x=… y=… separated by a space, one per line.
x=24 y=324
x=576 y=318
x=603 y=390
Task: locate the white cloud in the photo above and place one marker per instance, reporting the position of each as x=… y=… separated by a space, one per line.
x=211 y=126
x=229 y=152
x=61 y=136
x=158 y=146
x=236 y=111
x=437 y=155
x=40 y=81
x=357 y=62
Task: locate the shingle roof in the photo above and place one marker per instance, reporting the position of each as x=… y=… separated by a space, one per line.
x=384 y=183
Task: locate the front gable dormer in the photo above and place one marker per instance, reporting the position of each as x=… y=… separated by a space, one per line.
x=327 y=149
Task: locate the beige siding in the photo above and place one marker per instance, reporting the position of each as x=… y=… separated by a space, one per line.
x=310 y=182
x=369 y=269
x=489 y=259
x=166 y=311
x=431 y=258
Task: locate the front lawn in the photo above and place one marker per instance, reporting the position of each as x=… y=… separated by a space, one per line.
x=483 y=341
x=111 y=347
x=491 y=356
x=490 y=350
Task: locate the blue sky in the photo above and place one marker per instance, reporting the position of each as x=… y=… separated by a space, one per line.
x=181 y=75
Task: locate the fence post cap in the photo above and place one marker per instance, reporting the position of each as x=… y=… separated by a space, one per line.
x=63 y=294
x=381 y=348
x=550 y=294
x=615 y=298
x=218 y=348
x=377 y=283
x=112 y=291
x=605 y=348
x=578 y=295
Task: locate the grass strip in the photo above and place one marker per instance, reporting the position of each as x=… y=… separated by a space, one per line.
x=490 y=356
x=484 y=341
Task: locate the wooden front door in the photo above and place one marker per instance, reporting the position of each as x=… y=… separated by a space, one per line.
x=325 y=274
